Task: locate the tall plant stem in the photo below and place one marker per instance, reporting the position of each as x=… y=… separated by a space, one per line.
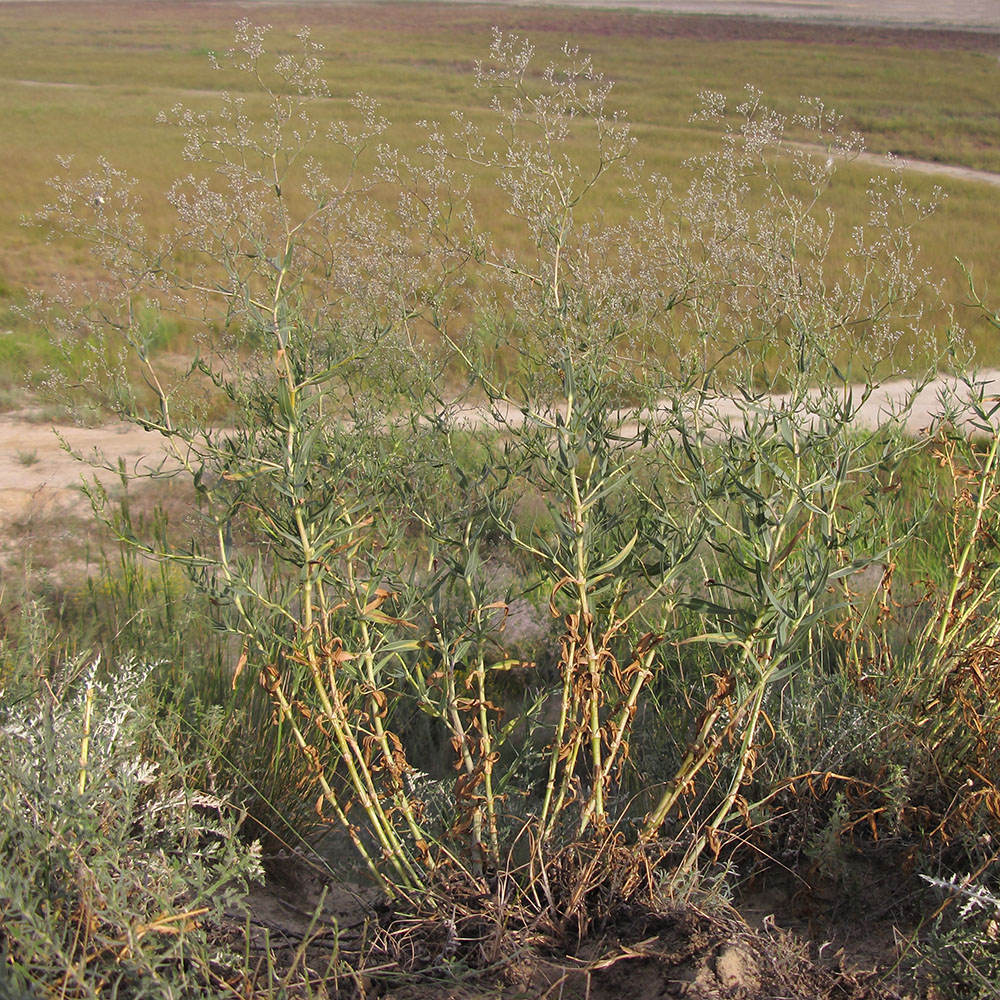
x=549 y=815
x=699 y=753
x=285 y=709
x=376 y=709
x=459 y=734
x=620 y=729
x=694 y=852
x=401 y=798
x=351 y=753
x=487 y=750
x=580 y=513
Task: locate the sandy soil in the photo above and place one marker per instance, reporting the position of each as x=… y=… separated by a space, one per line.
x=666 y=952
x=43 y=468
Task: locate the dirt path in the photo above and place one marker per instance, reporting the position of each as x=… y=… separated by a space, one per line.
x=952 y=172
x=36 y=469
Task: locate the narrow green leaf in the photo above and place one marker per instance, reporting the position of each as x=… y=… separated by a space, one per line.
x=615 y=561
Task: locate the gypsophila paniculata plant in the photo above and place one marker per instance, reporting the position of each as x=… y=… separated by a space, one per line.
x=345 y=518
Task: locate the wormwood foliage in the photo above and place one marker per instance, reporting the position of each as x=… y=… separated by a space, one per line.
x=116 y=863
x=652 y=423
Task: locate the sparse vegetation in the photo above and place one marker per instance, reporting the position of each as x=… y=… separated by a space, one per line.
x=540 y=578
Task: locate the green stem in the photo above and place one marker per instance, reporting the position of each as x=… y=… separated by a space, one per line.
x=699 y=753
x=546 y=822
x=621 y=726
x=330 y=795
x=401 y=798
x=487 y=739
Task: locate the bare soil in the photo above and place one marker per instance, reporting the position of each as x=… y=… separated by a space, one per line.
x=706 y=951
x=42 y=463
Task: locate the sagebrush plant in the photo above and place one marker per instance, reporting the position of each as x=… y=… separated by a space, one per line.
x=352 y=309
x=961 y=953
x=116 y=864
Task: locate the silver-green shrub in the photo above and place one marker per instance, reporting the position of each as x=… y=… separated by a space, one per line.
x=961 y=952
x=115 y=864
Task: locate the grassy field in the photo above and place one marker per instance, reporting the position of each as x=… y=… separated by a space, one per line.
x=88 y=79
